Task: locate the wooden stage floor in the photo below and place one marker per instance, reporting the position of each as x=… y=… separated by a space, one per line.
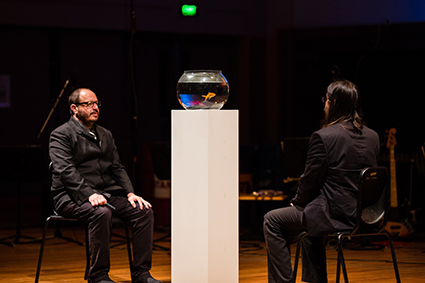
x=65 y=261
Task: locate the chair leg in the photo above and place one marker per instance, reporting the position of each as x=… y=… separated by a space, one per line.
x=40 y=257
x=341 y=257
x=338 y=267
x=297 y=254
x=397 y=274
x=127 y=236
x=86 y=232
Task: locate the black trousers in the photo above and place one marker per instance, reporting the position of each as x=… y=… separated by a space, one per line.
x=281 y=228
x=99 y=219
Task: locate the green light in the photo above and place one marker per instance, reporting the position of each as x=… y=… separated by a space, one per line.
x=189 y=10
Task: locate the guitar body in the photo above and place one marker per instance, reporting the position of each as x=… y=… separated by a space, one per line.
x=395 y=227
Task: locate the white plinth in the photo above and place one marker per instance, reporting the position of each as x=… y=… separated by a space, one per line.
x=204 y=196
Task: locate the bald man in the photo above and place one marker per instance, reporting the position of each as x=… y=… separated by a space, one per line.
x=89 y=183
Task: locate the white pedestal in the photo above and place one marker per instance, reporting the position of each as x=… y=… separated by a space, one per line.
x=204 y=196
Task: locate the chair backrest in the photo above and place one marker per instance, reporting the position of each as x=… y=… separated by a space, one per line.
x=373 y=199
x=50 y=172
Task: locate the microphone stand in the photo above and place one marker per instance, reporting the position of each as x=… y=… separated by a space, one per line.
x=53 y=108
x=18 y=224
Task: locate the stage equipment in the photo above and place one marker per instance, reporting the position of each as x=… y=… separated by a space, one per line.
x=20 y=166
x=69 y=81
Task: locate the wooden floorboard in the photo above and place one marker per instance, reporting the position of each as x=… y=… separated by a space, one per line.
x=64 y=261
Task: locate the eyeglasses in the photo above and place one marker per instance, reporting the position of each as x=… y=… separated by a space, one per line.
x=89 y=104
x=324 y=99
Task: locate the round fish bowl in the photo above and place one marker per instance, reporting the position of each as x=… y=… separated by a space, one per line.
x=202 y=90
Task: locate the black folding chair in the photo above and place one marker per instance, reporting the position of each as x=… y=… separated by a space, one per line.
x=56 y=217
x=372 y=214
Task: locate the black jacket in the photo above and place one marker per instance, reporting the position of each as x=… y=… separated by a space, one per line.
x=328 y=187
x=83 y=165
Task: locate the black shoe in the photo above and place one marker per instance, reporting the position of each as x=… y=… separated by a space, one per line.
x=146 y=278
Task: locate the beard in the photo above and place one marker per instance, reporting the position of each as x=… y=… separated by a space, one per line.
x=86 y=117
x=325 y=119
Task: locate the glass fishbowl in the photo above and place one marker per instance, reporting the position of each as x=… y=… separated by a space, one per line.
x=202 y=89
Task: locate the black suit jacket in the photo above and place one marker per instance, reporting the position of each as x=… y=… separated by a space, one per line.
x=83 y=165
x=327 y=189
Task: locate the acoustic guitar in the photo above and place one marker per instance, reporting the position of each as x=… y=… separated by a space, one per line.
x=394 y=227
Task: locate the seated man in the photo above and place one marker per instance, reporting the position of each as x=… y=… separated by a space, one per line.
x=90 y=183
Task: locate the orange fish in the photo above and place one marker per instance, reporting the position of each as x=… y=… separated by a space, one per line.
x=209 y=95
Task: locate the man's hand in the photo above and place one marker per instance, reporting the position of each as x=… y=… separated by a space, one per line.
x=97 y=199
x=132 y=198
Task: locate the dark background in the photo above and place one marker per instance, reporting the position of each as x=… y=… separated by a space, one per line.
x=278 y=57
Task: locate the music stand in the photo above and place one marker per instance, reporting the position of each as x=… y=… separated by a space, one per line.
x=20 y=164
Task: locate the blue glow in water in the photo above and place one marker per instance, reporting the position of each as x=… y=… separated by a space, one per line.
x=190 y=99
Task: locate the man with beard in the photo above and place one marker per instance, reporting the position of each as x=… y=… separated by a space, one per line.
x=89 y=183
x=326 y=196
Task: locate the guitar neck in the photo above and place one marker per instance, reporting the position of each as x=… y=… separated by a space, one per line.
x=394 y=202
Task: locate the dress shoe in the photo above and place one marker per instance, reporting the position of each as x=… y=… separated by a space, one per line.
x=146 y=278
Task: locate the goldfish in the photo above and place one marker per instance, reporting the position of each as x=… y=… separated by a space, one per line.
x=209 y=95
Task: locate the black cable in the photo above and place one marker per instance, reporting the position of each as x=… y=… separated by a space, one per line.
x=133 y=90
